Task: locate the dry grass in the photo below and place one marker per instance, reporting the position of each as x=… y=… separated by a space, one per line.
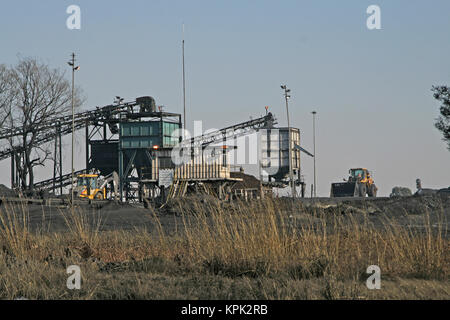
x=259 y=250
x=14 y=230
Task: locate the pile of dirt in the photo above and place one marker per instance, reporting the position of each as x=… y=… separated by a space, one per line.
x=248 y=181
x=6 y=192
x=391 y=207
x=415 y=205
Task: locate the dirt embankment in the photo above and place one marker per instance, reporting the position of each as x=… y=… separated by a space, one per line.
x=392 y=207
x=6 y=192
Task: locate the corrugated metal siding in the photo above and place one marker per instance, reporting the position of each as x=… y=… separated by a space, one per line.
x=275 y=148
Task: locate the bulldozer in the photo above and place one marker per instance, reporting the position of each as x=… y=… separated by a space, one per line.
x=91 y=186
x=359 y=184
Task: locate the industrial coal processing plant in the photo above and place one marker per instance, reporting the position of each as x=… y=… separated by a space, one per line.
x=129 y=148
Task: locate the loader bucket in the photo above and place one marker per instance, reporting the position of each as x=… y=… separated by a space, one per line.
x=344 y=189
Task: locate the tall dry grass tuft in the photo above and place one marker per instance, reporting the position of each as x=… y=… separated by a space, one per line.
x=418 y=252
x=14 y=229
x=84 y=230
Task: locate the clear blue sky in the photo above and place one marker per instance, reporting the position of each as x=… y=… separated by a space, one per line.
x=371 y=89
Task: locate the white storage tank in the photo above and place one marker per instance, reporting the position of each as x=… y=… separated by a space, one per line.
x=274 y=153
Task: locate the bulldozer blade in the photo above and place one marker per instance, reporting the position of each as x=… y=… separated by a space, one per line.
x=344 y=189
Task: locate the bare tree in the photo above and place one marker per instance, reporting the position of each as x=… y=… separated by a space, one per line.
x=38 y=94
x=6 y=94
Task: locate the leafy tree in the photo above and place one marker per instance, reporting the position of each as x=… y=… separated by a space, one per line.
x=442 y=94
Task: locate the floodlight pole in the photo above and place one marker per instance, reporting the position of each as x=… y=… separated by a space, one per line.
x=291 y=175
x=184 y=90
x=314 y=144
x=72 y=65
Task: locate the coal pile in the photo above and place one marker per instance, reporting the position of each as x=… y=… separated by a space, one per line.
x=248 y=181
x=6 y=192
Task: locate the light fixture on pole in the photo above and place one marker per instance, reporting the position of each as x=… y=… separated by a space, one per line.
x=291 y=175
x=118 y=100
x=314 y=146
x=71 y=63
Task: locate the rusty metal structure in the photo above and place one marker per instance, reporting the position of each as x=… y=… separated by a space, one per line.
x=100 y=120
x=137 y=139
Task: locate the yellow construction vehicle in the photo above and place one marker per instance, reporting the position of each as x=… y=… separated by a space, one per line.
x=359 y=184
x=90 y=186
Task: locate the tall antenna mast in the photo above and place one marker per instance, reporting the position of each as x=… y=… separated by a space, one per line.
x=184 y=89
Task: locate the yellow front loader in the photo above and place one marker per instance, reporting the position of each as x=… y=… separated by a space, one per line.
x=359 y=184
